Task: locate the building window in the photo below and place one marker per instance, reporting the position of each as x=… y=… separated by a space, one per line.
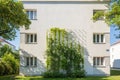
x=31 y=38
x=100 y=12
x=32 y=14
x=98 y=61
x=31 y=61
x=98 y=38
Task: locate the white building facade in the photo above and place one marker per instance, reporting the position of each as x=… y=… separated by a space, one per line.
x=72 y=15
x=115 y=55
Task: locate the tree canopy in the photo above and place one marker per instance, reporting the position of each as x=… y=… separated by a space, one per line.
x=12 y=17
x=112 y=15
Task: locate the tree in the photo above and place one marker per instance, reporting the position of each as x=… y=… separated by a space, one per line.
x=7 y=49
x=112 y=16
x=12 y=17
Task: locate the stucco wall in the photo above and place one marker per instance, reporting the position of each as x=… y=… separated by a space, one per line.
x=76 y=17
x=115 y=55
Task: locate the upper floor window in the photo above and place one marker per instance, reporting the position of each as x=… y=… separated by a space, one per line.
x=98 y=61
x=31 y=38
x=32 y=14
x=100 y=13
x=98 y=38
x=31 y=61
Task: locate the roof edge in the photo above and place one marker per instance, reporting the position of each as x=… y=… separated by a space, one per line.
x=116 y=43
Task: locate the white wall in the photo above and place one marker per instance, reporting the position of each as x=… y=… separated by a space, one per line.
x=115 y=56
x=71 y=16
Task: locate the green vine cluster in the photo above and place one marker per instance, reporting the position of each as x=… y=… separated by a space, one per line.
x=64 y=56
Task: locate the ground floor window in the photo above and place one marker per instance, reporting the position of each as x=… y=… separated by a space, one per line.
x=98 y=61
x=31 y=61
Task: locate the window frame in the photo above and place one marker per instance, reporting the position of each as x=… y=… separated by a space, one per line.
x=97 y=10
x=31 y=61
x=31 y=38
x=99 y=38
x=32 y=14
x=99 y=61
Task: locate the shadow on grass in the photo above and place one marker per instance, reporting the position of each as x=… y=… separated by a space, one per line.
x=115 y=72
x=7 y=77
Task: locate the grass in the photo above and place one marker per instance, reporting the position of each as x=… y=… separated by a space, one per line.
x=115 y=72
x=115 y=75
x=87 y=78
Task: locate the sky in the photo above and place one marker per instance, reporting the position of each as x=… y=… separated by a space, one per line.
x=113 y=34
x=16 y=42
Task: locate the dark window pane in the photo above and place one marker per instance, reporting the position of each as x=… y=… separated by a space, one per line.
x=94 y=38
x=35 y=61
x=102 y=37
x=27 y=37
x=31 y=38
x=94 y=61
x=27 y=61
x=31 y=59
x=98 y=61
x=97 y=37
x=102 y=60
x=31 y=14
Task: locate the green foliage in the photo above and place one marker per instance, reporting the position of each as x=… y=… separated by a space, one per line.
x=7 y=49
x=112 y=16
x=97 y=15
x=115 y=72
x=9 y=61
x=14 y=63
x=2 y=68
x=12 y=16
x=8 y=69
x=64 y=56
x=9 y=65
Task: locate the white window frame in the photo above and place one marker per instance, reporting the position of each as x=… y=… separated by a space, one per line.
x=31 y=38
x=33 y=60
x=96 y=35
x=32 y=14
x=98 y=61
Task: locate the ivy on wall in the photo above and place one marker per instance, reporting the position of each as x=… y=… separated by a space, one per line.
x=64 y=55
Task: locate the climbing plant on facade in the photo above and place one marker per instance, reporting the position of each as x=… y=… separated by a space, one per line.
x=64 y=55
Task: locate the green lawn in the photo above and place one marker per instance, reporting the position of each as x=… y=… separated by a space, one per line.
x=115 y=76
x=87 y=78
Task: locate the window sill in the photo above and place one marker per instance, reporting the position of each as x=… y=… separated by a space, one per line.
x=30 y=43
x=30 y=66
x=99 y=66
x=33 y=19
x=99 y=43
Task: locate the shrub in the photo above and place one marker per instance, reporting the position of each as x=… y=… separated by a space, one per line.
x=53 y=75
x=2 y=68
x=8 y=69
x=63 y=53
x=11 y=63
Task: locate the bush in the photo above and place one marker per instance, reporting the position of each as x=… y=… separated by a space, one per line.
x=8 y=69
x=2 y=68
x=54 y=75
x=11 y=64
